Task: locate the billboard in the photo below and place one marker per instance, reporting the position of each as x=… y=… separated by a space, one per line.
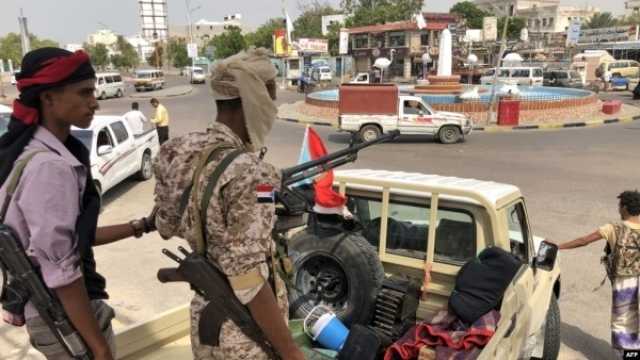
x=313 y=45
x=490 y=28
x=280 y=47
x=610 y=34
x=344 y=41
x=153 y=17
x=573 y=32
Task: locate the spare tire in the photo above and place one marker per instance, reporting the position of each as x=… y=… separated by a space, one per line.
x=342 y=272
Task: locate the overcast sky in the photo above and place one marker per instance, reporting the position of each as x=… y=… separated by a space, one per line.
x=70 y=21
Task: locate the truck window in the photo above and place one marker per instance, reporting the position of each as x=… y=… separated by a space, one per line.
x=104 y=138
x=518 y=231
x=408 y=229
x=120 y=131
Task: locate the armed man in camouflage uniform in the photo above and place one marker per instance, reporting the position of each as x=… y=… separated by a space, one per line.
x=241 y=213
x=623 y=268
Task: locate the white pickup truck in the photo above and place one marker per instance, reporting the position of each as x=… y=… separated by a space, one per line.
x=116 y=153
x=372 y=110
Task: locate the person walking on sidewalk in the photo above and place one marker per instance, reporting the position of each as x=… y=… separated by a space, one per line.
x=622 y=262
x=161 y=120
x=55 y=205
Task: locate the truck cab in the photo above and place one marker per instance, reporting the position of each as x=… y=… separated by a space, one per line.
x=372 y=110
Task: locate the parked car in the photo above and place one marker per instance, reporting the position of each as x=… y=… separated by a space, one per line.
x=149 y=80
x=518 y=75
x=563 y=78
x=624 y=68
x=5 y=117
x=322 y=73
x=198 y=76
x=372 y=110
x=116 y=154
x=109 y=85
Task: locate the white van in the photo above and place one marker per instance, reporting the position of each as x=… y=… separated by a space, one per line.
x=520 y=75
x=149 y=79
x=109 y=85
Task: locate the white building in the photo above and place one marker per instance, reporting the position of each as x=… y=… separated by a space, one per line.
x=502 y=7
x=632 y=6
x=555 y=19
x=205 y=30
x=329 y=20
x=143 y=46
x=105 y=37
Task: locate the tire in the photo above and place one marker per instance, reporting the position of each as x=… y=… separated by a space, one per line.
x=103 y=95
x=145 y=172
x=119 y=94
x=552 y=331
x=349 y=267
x=370 y=132
x=449 y=134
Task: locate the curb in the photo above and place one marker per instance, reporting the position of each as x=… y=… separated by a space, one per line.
x=144 y=96
x=496 y=129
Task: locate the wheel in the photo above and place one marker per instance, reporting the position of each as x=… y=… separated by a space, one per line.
x=449 y=134
x=119 y=94
x=342 y=272
x=370 y=132
x=552 y=331
x=145 y=172
x=103 y=95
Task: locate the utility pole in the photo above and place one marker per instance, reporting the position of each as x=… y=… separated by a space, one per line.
x=503 y=48
x=189 y=20
x=24 y=33
x=286 y=48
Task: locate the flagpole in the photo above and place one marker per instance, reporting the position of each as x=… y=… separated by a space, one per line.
x=286 y=48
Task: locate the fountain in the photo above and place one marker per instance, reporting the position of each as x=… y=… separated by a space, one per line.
x=444 y=82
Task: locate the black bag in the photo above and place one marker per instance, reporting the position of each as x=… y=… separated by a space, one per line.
x=363 y=343
x=481 y=283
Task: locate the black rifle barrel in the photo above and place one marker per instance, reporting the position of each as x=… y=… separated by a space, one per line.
x=327 y=162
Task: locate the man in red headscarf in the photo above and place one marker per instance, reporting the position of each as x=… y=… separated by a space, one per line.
x=54 y=209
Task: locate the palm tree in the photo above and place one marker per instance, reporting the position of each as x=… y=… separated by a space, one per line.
x=600 y=20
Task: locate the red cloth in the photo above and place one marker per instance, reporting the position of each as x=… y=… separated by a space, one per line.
x=448 y=335
x=325 y=196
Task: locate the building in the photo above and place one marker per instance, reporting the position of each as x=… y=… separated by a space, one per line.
x=513 y=7
x=632 y=7
x=555 y=18
x=143 y=46
x=409 y=43
x=329 y=20
x=205 y=30
x=105 y=37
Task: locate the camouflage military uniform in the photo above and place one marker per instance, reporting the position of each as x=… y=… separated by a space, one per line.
x=238 y=227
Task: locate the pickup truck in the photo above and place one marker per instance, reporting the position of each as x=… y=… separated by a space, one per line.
x=116 y=153
x=372 y=110
x=452 y=220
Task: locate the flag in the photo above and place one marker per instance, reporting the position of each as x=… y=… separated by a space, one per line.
x=305 y=156
x=289 y=24
x=420 y=20
x=327 y=200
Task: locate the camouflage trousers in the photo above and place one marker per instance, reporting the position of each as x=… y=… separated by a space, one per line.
x=234 y=345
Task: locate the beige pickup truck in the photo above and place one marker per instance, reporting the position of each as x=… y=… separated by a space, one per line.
x=458 y=217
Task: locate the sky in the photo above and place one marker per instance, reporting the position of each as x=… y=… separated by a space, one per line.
x=71 y=21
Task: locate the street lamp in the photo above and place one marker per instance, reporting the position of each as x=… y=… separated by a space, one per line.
x=190 y=10
x=472 y=60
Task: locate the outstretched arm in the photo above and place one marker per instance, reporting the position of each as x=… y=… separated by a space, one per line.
x=581 y=241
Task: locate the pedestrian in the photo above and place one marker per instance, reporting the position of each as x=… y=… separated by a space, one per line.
x=161 y=120
x=54 y=209
x=136 y=119
x=240 y=212
x=622 y=261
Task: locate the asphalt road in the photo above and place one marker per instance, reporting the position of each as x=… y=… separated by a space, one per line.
x=570 y=179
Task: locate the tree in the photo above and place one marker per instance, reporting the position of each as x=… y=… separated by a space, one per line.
x=11 y=46
x=177 y=52
x=516 y=24
x=230 y=42
x=471 y=13
x=600 y=20
x=263 y=36
x=99 y=54
x=309 y=23
x=156 y=57
x=127 y=56
x=633 y=19
x=370 y=12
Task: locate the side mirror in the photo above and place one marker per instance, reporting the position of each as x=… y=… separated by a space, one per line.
x=105 y=150
x=546 y=257
x=420 y=112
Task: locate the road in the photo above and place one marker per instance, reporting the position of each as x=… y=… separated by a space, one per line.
x=570 y=178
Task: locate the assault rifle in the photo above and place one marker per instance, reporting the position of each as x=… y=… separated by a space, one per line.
x=207 y=279
x=26 y=284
